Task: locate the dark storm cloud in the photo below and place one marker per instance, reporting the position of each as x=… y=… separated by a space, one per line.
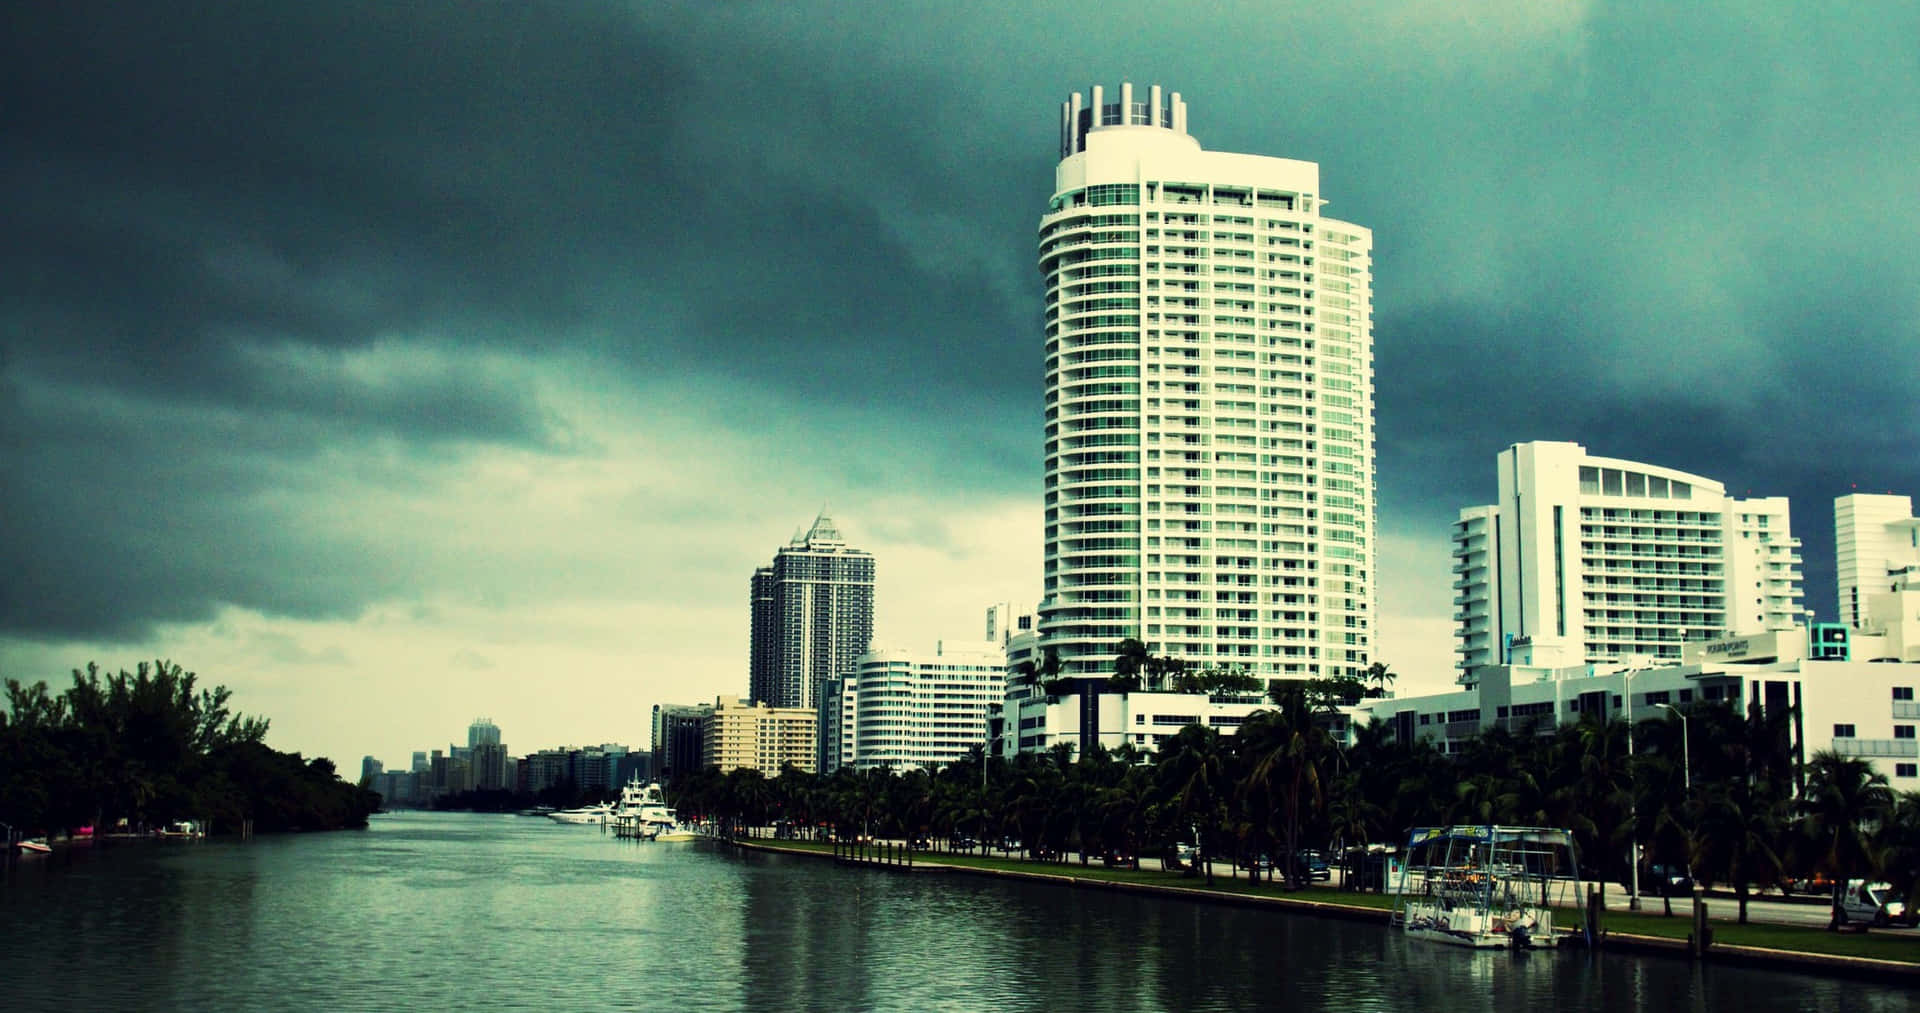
x=238 y=236
x=212 y=211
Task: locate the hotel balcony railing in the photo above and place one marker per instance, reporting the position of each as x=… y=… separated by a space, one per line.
x=1906 y=709
x=1877 y=747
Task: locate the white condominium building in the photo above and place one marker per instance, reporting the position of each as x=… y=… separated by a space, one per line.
x=903 y=709
x=1209 y=402
x=1596 y=560
x=1877 y=567
x=1876 y=543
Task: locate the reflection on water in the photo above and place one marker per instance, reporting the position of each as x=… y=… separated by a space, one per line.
x=459 y=910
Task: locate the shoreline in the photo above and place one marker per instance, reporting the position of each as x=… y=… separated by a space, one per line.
x=1887 y=971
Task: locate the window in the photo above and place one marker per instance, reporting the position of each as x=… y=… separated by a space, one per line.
x=1903 y=731
x=1906 y=770
x=1903 y=692
x=1843 y=731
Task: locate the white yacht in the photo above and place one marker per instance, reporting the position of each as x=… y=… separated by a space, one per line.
x=600 y=812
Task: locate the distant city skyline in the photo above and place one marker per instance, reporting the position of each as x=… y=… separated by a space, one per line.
x=393 y=364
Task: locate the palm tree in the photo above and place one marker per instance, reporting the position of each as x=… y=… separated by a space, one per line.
x=1352 y=820
x=1844 y=802
x=1129 y=664
x=1739 y=823
x=1603 y=795
x=1191 y=775
x=1285 y=751
x=1381 y=677
x=1899 y=841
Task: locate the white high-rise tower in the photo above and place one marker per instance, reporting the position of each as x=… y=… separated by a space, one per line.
x=1209 y=402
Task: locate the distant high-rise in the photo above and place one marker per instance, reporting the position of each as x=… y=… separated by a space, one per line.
x=1209 y=403
x=679 y=739
x=482 y=732
x=1597 y=560
x=812 y=615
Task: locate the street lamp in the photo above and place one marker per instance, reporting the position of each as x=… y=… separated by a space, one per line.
x=1686 y=750
x=1686 y=774
x=1633 y=804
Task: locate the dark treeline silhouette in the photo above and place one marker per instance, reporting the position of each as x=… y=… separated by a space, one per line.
x=148 y=748
x=1754 y=817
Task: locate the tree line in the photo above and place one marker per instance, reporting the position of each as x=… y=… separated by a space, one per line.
x=1749 y=814
x=149 y=748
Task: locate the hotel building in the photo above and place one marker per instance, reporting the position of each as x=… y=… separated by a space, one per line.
x=1596 y=560
x=1209 y=475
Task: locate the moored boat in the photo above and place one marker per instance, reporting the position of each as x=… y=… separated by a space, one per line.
x=644 y=814
x=1489 y=887
x=600 y=812
x=35 y=846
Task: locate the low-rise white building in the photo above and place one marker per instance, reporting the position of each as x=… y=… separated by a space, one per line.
x=1855 y=707
x=1085 y=715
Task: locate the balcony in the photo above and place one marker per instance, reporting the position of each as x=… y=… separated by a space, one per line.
x=1898 y=748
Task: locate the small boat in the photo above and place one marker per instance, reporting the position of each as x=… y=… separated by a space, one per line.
x=35 y=846
x=1488 y=887
x=599 y=812
x=185 y=829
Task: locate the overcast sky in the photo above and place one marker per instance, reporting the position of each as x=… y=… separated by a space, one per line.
x=395 y=364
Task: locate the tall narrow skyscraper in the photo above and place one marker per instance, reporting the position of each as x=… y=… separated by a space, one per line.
x=812 y=615
x=1209 y=402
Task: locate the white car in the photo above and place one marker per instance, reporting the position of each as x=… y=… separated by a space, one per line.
x=1866 y=903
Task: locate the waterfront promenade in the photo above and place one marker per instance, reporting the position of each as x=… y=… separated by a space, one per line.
x=1779 y=933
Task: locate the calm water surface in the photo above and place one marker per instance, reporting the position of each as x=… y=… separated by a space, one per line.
x=454 y=910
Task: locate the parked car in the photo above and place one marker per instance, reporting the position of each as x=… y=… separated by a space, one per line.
x=1186 y=853
x=1117 y=858
x=1817 y=884
x=1668 y=881
x=1255 y=863
x=1312 y=865
x=962 y=842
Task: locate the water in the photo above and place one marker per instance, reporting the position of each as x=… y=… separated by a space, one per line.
x=454 y=910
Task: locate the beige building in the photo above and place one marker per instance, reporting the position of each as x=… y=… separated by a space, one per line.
x=759 y=737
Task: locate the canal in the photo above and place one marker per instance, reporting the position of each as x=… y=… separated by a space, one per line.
x=456 y=910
